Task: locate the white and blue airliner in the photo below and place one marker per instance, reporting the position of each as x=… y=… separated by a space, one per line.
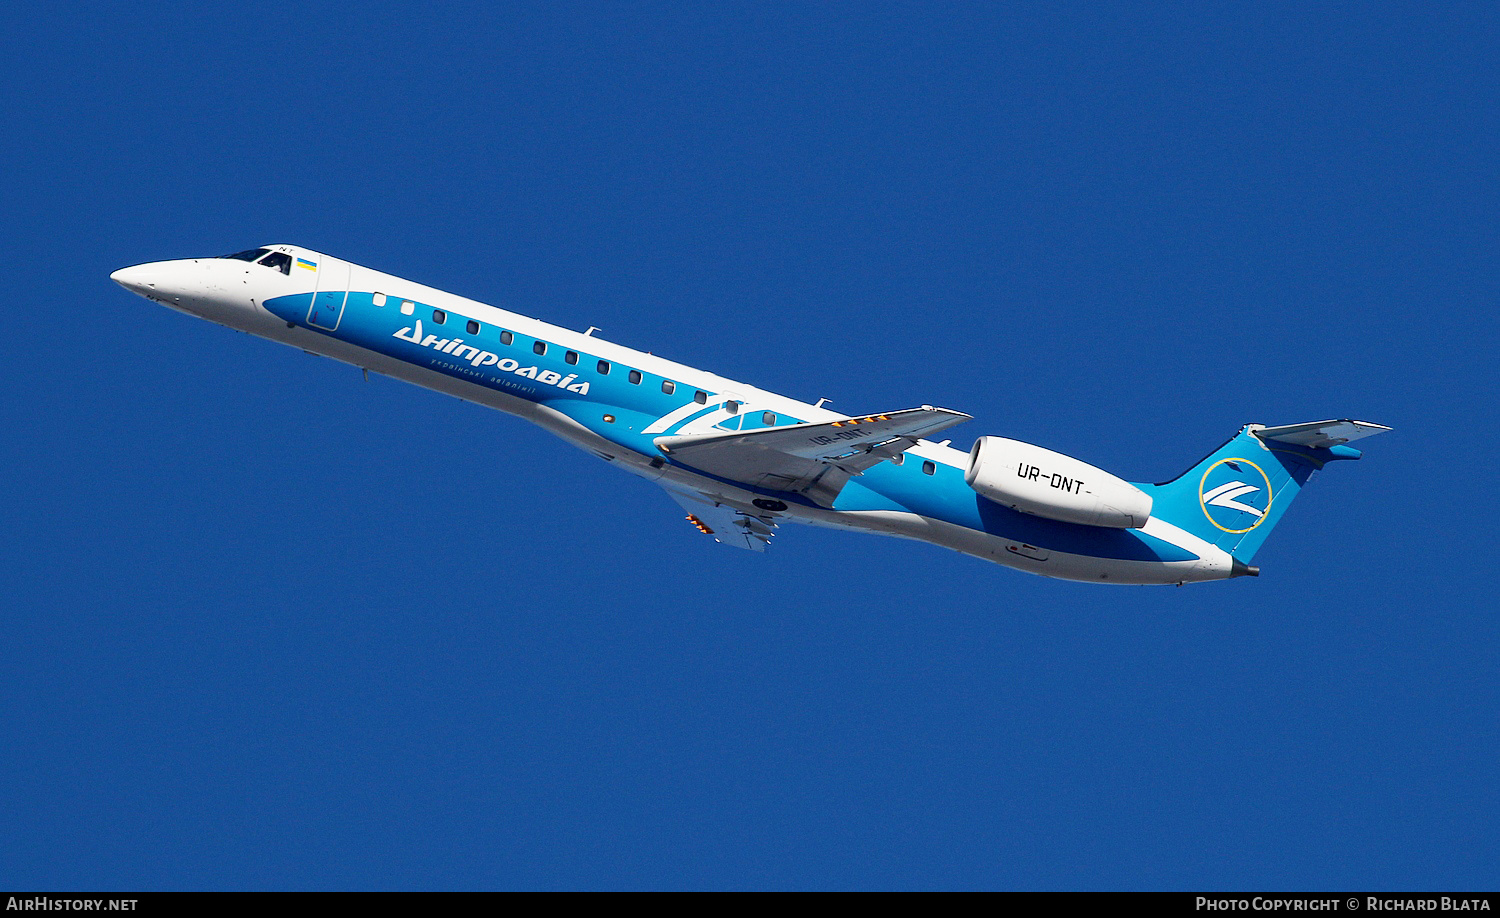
x=742 y=461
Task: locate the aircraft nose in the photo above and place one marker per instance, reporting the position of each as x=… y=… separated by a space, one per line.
x=138 y=278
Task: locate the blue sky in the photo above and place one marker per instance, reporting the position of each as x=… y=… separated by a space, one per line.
x=272 y=626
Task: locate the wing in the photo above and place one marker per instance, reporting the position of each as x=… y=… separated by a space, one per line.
x=742 y=527
x=1321 y=434
x=811 y=459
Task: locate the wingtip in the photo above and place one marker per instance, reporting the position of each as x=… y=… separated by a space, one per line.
x=950 y=411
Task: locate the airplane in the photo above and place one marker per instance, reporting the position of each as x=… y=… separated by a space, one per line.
x=742 y=461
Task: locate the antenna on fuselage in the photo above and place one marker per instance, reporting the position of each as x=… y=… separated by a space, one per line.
x=822 y=402
x=590 y=332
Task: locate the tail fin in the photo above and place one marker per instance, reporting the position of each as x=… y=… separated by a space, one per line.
x=1235 y=496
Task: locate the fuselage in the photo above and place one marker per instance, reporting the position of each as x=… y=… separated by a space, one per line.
x=615 y=402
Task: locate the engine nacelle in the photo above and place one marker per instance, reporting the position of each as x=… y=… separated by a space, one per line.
x=1043 y=483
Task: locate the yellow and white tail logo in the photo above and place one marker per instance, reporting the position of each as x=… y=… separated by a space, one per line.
x=1230 y=501
x=1224 y=496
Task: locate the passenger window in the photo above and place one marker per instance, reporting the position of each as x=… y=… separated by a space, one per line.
x=700 y=397
x=668 y=386
x=898 y=458
x=539 y=348
x=473 y=327
x=604 y=368
x=635 y=377
x=768 y=418
x=732 y=407
x=281 y=261
x=506 y=337
x=378 y=299
x=439 y=316
x=570 y=358
x=928 y=468
x=408 y=307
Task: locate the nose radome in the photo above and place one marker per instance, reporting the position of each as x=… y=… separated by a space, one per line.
x=137 y=279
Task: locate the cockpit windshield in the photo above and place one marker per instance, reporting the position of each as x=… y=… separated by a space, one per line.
x=281 y=261
x=247 y=255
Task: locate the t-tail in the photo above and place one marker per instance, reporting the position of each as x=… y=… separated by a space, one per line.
x=1235 y=496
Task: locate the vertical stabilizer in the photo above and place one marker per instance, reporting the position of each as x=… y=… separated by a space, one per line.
x=1237 y=495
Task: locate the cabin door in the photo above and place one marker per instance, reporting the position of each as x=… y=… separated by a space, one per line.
x=333 y=289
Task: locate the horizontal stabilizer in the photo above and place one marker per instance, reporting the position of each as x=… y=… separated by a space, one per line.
x=1321 y=434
